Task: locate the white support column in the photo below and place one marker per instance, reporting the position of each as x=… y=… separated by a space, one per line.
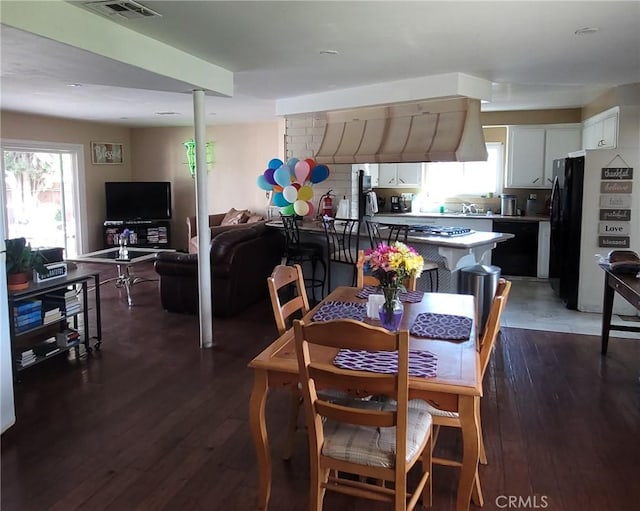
x=202 y=215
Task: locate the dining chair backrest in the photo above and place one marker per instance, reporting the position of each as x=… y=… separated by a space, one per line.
x=366 y=279
x=492 y=326
x=367 y=417
x=287 y=277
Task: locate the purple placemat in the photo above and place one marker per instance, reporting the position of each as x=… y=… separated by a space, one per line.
x=341 y=310
x=421 y=363
x=441 y=326
x=406 y=296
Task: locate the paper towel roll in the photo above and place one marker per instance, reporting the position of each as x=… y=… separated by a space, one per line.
x=343 y=208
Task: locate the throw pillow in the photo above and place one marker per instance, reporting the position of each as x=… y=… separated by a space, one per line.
x=254 y=218
x=234 y=217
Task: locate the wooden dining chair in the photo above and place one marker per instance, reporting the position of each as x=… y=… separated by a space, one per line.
x=288 y=298
x=389 y=233
x=486 y=345
x=365 y=279
x=375 y=440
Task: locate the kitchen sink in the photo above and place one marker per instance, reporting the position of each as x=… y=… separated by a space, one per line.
x=468 y=214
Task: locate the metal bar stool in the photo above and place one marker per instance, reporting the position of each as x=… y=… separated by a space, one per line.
x=300 y=252
x=396 y=232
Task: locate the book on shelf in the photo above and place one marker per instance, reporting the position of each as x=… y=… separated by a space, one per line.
x=28 y=317
x=46 y=348
x=68 y=337
x=51 y=312
x=26 y=306
x=28 y=326
x=52 y=318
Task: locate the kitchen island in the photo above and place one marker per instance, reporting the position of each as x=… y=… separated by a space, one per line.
x=451 y=253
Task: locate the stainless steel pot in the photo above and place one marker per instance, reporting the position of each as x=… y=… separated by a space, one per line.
x=508 y=204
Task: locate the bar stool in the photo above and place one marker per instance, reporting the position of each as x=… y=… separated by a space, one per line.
x=396 y=232
x=343 y=242
x=300 y=252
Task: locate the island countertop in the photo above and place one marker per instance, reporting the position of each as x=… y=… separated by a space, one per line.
x=469 y=216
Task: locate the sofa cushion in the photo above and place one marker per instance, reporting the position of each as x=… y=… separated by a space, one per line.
x=255 y=218
x=234 y=217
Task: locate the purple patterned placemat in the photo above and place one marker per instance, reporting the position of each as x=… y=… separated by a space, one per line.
x=421 y=363
x=441 y=326
x=341 y=310
x=406 y=296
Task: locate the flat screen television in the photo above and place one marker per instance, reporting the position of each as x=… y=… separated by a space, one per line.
x=138 y=200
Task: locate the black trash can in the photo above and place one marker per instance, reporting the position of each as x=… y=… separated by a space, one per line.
x=481 y=281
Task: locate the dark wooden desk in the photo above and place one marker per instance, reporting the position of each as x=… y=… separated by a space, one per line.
x=627 y=286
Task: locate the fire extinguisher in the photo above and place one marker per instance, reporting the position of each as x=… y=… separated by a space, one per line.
x=326 y=204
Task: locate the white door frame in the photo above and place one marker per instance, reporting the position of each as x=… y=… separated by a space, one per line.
x=79 y=185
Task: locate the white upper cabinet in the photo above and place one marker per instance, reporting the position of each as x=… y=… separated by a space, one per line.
x=532 y=149
x=399 y=175
x=601 y=131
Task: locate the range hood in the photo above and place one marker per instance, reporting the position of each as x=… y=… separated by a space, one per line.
x=433 y=130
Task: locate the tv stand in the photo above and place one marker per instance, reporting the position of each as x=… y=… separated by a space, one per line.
x=142 y=233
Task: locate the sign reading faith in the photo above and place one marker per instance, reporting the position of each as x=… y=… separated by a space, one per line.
x=613 y=228
x=615 y=201
x=617 y=173
x=613 y=241
x=616 y=187
x=615 y=214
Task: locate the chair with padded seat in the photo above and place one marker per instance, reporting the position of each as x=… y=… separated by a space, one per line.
x=343 y=242
x=301 y=252
x=390 y=233
x=376 y=441
x=487 y=343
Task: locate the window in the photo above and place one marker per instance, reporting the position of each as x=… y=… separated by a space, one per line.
x=475 y=178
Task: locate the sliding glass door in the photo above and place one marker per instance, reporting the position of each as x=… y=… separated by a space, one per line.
x=43 y=187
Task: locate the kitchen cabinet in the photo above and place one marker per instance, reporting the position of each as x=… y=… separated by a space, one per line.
x=601 y=130
x=399 y=175
x=532 y=149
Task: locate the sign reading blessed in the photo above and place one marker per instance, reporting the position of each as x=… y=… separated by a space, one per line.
x=613 y=241
x=625 y=173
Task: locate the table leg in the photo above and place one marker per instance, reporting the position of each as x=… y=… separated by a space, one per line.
x=98 y=313
x=470 y=451
x=259 y=433
x=607 y=308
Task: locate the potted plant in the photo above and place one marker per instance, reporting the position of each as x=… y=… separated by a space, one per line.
x=21 y=261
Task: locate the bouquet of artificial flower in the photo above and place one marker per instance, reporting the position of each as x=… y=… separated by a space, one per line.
x=392 y=265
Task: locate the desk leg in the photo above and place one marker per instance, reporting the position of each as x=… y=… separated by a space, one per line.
x=259 y=432
x=607 y=308
x=98 y=313
x=470 y=452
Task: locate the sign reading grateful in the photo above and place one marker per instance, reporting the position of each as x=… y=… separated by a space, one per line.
x=615 y=201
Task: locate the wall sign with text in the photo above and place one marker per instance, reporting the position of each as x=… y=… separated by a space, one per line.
x=615 y=202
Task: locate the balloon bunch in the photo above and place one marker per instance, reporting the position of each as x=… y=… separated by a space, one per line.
x=291 y=184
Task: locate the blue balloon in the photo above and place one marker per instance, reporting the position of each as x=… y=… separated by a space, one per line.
x=291 y=163
x=279 y=200
x=282 y=176
x=319 y=173
x=263 y=184
x=275 y=163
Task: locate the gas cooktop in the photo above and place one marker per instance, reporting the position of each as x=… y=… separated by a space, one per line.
x=440 y=230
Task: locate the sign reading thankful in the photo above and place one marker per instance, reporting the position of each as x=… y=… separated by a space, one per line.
x=617 y=173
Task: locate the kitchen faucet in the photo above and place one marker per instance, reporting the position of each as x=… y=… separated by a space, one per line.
x=469 y=208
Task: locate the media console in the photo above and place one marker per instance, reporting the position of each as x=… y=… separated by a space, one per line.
x=142 y=233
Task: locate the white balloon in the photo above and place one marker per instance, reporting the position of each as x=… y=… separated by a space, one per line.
x=301 y=207
x=290 y=193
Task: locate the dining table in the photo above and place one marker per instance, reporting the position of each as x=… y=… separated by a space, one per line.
x=456 y=385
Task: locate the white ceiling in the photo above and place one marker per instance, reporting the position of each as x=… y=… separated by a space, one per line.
x=528 y=51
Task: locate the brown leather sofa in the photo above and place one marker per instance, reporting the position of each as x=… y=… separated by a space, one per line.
x=216 y=227
x=241 y=261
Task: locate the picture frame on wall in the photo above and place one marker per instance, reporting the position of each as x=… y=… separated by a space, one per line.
x=106 y=153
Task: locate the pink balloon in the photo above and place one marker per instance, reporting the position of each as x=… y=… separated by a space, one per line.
x=302 y=171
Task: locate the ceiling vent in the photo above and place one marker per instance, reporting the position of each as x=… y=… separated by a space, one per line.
x=127 y=9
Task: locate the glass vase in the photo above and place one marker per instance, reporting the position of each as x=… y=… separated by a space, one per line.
x=391 y=314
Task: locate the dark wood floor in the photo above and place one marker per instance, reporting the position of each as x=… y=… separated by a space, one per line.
x=151 y=422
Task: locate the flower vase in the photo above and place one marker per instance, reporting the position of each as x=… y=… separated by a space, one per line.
x=391 y=310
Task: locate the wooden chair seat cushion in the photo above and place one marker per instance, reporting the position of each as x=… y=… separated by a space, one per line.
x=373 y=446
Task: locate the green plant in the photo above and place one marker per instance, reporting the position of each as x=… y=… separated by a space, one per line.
x=21 y=258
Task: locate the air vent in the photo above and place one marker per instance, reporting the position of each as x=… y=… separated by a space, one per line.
x=127 y=9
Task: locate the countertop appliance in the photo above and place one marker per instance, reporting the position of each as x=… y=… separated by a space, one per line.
x=508 y=205
x=395 y=204
x=579 y=218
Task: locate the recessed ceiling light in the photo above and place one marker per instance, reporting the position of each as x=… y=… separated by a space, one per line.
x=329 y=52
x=586 y=31
x=167 y=113
x=74 y=85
